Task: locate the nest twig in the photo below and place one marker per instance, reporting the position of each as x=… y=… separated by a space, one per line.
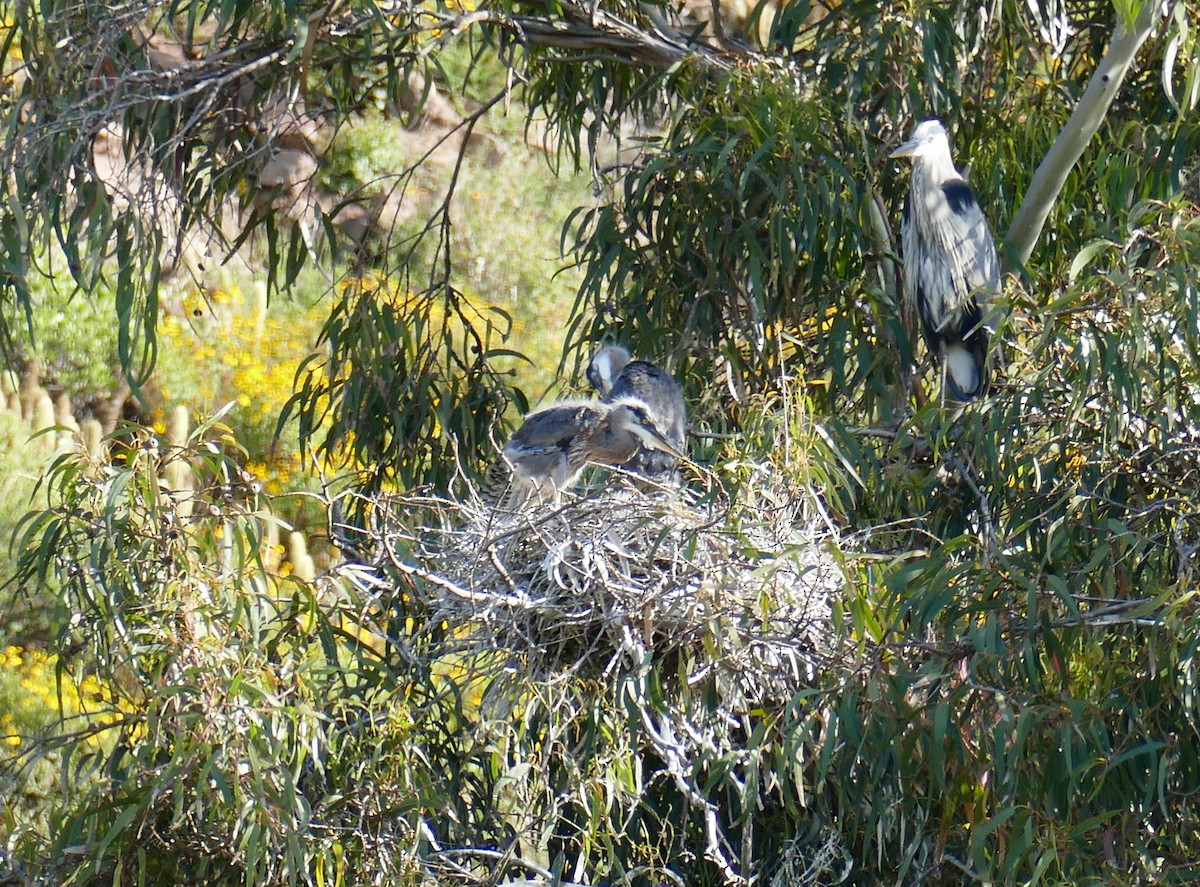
x=629 y=586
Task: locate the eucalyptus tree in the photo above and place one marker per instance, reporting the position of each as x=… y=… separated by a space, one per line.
x=1018 y=702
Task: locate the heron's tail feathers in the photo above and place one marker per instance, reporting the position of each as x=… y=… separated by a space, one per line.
x=966 y=369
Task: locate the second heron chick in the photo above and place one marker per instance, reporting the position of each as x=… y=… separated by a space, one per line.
x=615 y=375
x=554 y=444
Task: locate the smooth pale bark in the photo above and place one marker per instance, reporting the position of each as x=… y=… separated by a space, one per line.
x=1086 y=119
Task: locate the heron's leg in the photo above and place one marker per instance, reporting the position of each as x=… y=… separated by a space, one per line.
x=917 y=388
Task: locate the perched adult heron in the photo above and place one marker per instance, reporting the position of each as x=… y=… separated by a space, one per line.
x=616 y=376
x=550 y=449
x=951 y=272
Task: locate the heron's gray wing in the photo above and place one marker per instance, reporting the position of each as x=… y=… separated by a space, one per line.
x=928 y=279
x=539 y=451
x=553 y=427
x=969 y=248
x=539 y=447
x=910 y=250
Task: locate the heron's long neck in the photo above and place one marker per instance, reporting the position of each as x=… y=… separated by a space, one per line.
x=930 y=173
x=935 y=169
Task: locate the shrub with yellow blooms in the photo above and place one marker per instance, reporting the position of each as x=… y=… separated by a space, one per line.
x=40 y=703
x=224 y=347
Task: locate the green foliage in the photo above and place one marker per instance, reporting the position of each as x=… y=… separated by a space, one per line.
x=21 y=463
x=420 y=399
x=73 y=339
x=1035 y=629
x=755 y=232
x=746 y=235
x=204 y=668
x=1017 y=700
x=196 y=137
x=366 y=157
x=499 y=210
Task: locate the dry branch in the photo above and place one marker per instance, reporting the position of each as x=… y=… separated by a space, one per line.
x=605 y=581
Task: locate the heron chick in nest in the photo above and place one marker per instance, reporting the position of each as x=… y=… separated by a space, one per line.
x=550 y=449
x=615 y=375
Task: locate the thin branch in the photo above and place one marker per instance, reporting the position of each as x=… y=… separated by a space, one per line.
x=883 y=242
x=544 y=874
x=592 y=30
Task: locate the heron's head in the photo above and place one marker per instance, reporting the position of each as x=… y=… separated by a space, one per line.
x=632 y=415
x=928 y=137
x=606 y=365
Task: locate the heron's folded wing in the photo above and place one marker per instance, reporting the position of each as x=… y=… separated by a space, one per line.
x=969 y=244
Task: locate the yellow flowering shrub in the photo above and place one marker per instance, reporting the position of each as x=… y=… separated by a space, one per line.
x=13 y=56
x=39 y=703
x=32 y=689
x=224 y=347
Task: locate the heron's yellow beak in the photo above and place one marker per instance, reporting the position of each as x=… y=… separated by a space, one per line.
x=906 y=150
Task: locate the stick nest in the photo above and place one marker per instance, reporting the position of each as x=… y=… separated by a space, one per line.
x=606 y=581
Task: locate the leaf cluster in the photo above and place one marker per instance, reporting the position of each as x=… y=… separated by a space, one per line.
x=205 y=670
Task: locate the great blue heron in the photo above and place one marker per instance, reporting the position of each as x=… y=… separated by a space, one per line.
x=615 y=376
x=951 y=272
x=550 y=449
